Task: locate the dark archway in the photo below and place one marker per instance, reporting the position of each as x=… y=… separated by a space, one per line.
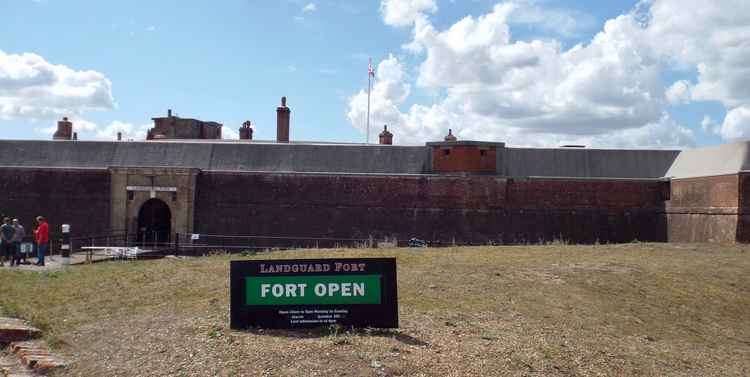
x=154 y=222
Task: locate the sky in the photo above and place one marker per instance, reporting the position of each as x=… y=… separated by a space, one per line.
x=610 y=74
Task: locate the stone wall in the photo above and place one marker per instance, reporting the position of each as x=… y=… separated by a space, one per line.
x=476 y=209
x=79 y=197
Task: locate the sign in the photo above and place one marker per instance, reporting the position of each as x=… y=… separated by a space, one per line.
x=27 y=248
x=195 y=236
x=150 y=188
x=303 y=293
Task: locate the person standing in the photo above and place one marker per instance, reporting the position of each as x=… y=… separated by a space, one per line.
x=17 y=240
x=41 y=234
x=7 y=232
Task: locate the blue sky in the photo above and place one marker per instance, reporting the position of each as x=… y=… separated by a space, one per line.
x=231 y=61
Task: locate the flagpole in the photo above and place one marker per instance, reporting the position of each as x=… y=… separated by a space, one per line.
x=369 y=86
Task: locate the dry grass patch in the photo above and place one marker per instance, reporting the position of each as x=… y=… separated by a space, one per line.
x=640 y=309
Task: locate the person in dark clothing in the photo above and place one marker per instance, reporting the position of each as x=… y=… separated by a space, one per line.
x=17 y=240
x=7 y=232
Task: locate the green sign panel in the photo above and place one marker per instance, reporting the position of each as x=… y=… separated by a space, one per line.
x=313 y=289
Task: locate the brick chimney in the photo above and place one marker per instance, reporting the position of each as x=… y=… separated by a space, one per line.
x=450 y=136
x=246 y=131
x=282 y=122
x=64 y=130
x=386 y=138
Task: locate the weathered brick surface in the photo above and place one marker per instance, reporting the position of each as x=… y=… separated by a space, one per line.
x=702 y=227
x=36 y=355
x=473 y=209
x=79 y=197
x=704 y=192
x=464 y=158
x=592 y=194
x=12 y=367
x=705 y=209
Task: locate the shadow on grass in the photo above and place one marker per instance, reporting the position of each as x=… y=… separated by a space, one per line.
x=333 y=331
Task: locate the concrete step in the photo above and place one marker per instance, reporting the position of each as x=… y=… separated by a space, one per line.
x=14 y=330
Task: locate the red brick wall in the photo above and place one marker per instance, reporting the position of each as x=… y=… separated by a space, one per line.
x=475 y=209
x=593 y=194
x=463 y=158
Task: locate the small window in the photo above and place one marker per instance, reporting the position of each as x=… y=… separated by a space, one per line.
x=482 y=152
x=446 y=152
x=174 y=196
x=131 y=194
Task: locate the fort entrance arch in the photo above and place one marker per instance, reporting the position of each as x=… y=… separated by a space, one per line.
x=152 y=202
x=154 y=222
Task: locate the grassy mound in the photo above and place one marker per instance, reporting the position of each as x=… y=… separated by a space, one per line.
x=638 y=309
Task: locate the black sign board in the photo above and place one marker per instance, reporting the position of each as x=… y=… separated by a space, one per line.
x=303 y=293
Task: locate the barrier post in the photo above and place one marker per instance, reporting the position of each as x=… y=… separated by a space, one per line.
x=65 y=247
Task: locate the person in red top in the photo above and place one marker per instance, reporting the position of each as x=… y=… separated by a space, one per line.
x=42 y=239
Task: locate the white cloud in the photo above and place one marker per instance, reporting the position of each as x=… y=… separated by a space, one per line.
x=388 y=92
x=607 y=91
x=736 y=124
x=709 y=125
x=405 y=12
x=128 y=130
x=679 y=92
x=32 y=88
x=710 y=37
x=88 y=130
x=151 y=28
x=229 y=133
x=309 y=8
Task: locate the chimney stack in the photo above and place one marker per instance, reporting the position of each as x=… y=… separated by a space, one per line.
x=282 y=122
x=119 y=136
x=64 y=130
x=450 y=136
x=246 y=131
x=169 y=113
x=386 y=138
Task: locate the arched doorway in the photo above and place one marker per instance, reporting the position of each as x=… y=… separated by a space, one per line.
x=154 y=222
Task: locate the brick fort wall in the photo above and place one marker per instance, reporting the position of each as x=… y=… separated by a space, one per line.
x=475 y=209
x=79 y=197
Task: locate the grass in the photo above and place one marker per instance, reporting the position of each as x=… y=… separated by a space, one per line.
x=637 y=309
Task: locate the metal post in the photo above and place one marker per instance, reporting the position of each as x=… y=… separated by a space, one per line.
x=177 y=243
x=369 y=87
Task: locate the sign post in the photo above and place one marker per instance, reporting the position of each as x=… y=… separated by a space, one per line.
x=65 y=248
x=303 y=293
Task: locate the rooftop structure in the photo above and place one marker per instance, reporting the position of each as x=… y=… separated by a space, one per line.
x=174 y=127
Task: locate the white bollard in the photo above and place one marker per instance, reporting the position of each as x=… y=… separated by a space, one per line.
x=66 y=247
